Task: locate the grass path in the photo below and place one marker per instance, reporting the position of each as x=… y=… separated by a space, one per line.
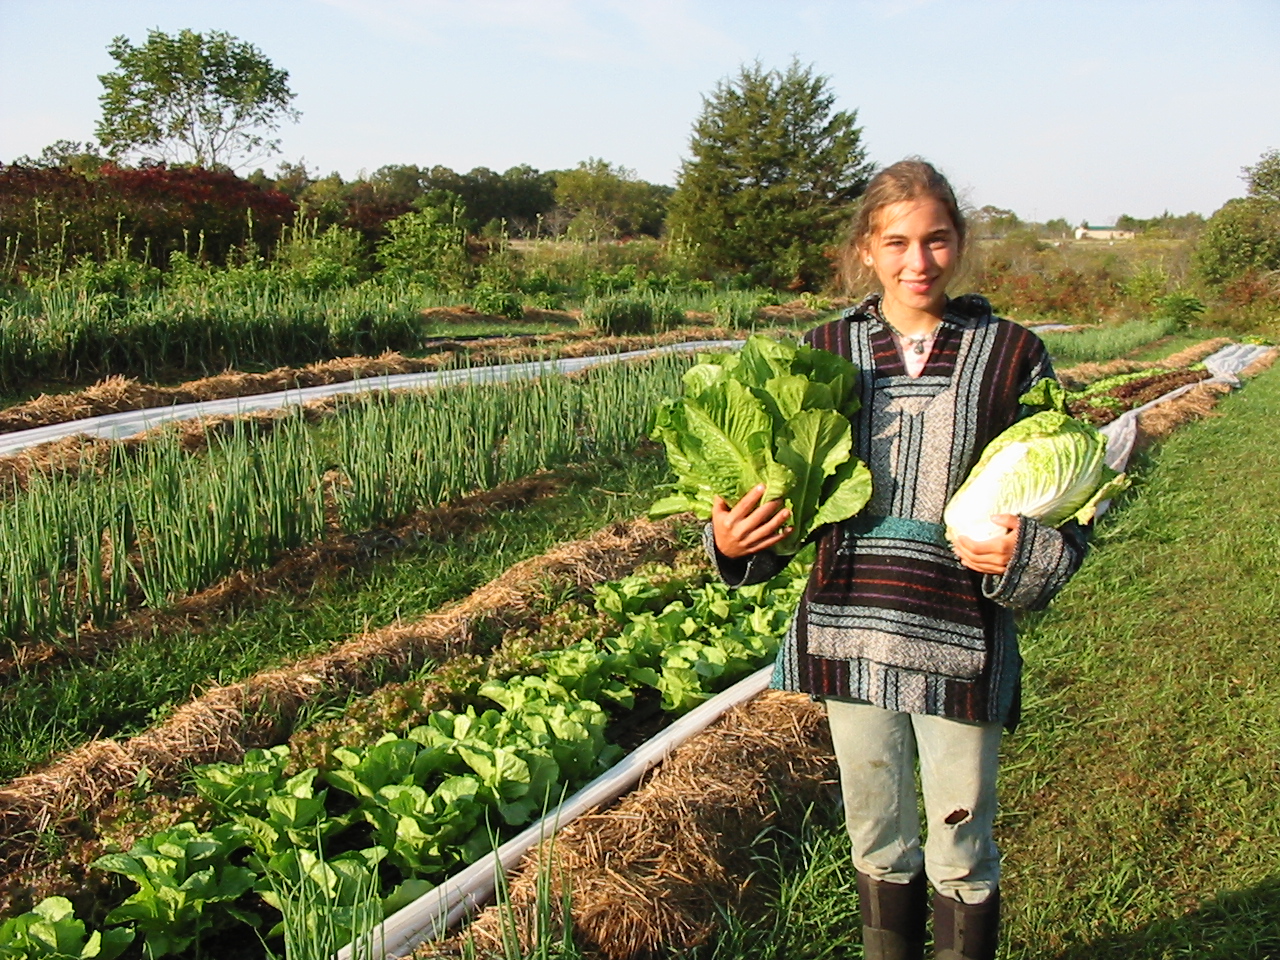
x=1141 y=795
x=129 y=688
x=1143 y=784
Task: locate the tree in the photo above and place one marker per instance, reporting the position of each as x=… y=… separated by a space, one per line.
x=773 y=174
x=604 y=200
x=204 y=99
x=69 y=154
x=1241 y=237
x=1264 y=176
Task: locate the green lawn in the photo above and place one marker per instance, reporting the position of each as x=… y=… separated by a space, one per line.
x=1141 y=795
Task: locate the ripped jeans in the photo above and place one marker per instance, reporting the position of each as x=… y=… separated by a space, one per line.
x=877 y=751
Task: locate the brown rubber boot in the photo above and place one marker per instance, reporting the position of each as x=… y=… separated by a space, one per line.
x=893 y=918
x=966 y=931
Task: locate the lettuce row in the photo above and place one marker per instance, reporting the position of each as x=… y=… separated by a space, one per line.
x=775 y=413
x=435 y=798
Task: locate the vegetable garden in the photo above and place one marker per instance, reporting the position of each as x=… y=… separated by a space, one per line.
x=448 y=619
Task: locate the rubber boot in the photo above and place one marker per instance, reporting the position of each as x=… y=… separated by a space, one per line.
x=966 y=931
x=893 y=918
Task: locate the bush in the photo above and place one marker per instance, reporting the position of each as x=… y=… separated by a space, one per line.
x=56 y=216
x=1243 y=235
x=1180 y=307
x=497 y=302
x=321 y=260
x=427 y=246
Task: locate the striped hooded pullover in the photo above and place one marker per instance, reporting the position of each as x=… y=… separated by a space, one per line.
x=890 y=616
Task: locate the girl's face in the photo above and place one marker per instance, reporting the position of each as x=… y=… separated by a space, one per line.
x=915 y=252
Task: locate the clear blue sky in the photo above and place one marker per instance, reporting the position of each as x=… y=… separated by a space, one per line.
x=1072 y=108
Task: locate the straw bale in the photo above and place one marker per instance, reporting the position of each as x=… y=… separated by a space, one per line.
x=259 y=712
x=649 y=874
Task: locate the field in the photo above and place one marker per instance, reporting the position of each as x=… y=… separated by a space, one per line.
x=386 y=631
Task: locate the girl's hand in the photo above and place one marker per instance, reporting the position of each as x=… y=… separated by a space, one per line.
x=990 y=556
x=750 y=526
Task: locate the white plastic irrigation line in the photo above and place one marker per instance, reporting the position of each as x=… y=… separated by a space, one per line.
x=431 y=916
x=114 y=426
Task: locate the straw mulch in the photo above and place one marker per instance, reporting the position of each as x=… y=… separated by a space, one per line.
x=1197 y=403
x=649 y=873
x=797 y=311
x=223 y=723
x=1081 y=375
x=117 y=393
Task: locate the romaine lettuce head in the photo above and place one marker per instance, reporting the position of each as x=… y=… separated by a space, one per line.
x=775 y=413
x=1049 y=467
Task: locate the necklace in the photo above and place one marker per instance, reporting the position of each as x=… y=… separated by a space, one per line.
x=916 y=342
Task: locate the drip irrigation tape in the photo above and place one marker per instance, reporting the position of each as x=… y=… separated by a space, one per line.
x=116 y=426
x=431 y=916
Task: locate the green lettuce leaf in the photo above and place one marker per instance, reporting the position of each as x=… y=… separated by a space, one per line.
x=775 y=413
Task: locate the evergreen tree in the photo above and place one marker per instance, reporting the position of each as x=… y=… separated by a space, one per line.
x=774 y=173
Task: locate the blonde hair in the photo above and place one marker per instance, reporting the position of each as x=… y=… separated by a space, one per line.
x=911 y=179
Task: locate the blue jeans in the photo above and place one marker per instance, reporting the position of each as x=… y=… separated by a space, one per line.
x=877 y=751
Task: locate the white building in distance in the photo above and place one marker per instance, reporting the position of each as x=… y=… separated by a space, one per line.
x=1103 y=233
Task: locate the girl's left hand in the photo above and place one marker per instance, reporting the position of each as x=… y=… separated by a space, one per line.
x=990 y=556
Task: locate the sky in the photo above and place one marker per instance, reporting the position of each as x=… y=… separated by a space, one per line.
x=1083 y=109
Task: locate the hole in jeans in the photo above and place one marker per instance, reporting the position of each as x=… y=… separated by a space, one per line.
x=956 y=816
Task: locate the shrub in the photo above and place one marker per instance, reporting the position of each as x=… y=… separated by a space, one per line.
x=56 y=216
x=493 y=300
x=1243 y=235
x=1180 y=307
x=321 y=260
x=427 y=246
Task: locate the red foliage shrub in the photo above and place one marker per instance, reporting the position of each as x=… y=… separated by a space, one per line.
x=155 y=209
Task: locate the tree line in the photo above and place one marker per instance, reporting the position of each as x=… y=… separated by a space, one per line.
x=774 y=171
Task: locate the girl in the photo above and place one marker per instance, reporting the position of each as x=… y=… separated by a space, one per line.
x=908 y=638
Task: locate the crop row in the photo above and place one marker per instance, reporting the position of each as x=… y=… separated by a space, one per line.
x=1106 y=399
x=400 y=814
x=160 y=523
x=70 y=333
x=1105 y=342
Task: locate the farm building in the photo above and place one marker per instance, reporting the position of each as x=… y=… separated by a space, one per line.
x=1103 y=233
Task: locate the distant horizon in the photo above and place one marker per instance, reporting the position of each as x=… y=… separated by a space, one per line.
x=1083 y=111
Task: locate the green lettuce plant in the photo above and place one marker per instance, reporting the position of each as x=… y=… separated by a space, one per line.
x=775 y=413
x=187 y=884
x=52 y=932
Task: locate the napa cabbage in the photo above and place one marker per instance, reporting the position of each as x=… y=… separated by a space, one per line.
x=1049 y=467
x=775 y=413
